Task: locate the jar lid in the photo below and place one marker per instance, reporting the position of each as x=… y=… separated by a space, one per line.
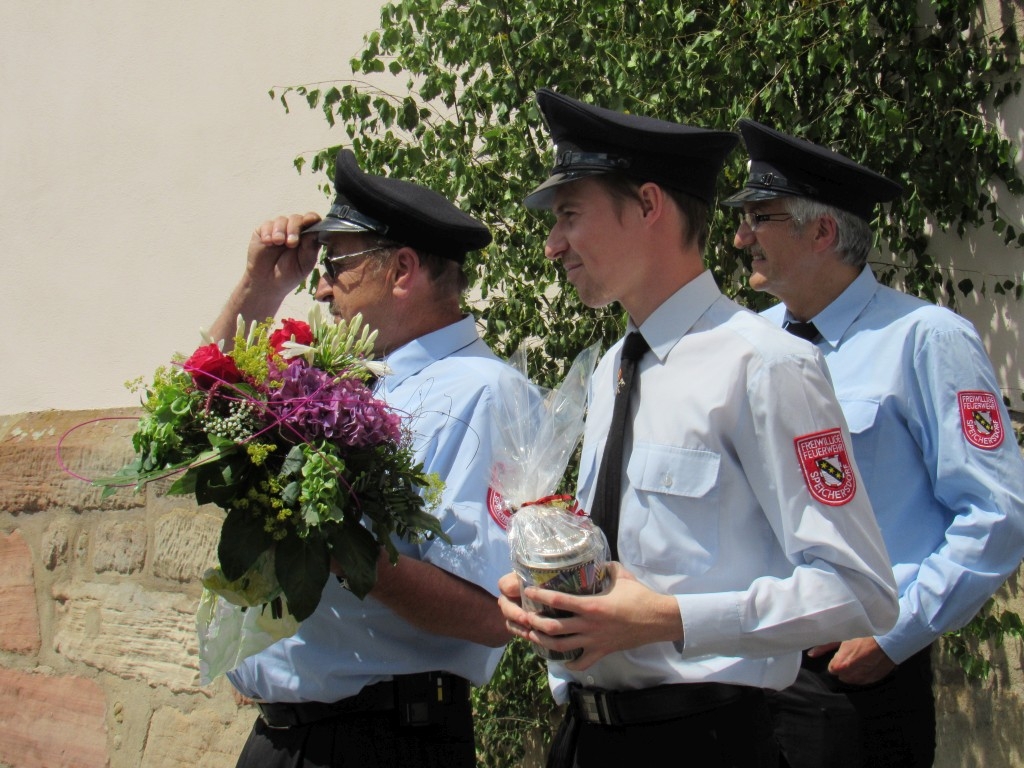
x=550 y=537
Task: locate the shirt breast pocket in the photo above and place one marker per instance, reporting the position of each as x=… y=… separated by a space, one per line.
x=860 y=414
x=674 y=527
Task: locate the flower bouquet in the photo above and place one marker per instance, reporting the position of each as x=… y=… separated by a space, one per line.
x=283 y=433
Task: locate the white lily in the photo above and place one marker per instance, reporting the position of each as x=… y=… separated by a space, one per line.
x=292 y=349
x=204 y=334
x=338 y=345
x=341 y=343
x=378 y=367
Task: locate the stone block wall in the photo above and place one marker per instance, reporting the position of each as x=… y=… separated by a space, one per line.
x=98 y=665
x=98 y=661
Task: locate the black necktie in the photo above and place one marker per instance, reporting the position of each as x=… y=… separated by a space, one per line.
x=803 y=330
x=608 y=494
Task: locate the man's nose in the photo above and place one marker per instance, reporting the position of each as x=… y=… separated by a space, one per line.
x=744 y=237
x=323 y=290
x=556 y=245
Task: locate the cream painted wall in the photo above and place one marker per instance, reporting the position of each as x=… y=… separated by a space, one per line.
x=139 y=148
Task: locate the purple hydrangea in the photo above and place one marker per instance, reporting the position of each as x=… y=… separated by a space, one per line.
x=310 y=404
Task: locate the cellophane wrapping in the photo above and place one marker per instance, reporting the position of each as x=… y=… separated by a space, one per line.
x=537 y=433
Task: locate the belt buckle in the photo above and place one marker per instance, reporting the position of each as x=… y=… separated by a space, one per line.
x=267 y=721
x=593 y=706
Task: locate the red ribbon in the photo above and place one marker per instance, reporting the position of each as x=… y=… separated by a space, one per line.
x=546 y=499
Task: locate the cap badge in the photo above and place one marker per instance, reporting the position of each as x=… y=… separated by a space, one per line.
x=589 y=161
x=348 y=213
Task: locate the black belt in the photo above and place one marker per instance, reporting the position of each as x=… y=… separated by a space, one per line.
x=379 y=697
x=646 y=705
x=415 y=698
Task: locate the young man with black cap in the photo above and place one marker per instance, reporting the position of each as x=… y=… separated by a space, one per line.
x=385 y=681
x=931 y=436
x=732 y=507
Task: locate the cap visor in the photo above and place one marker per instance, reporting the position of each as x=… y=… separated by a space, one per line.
x=543 y=196
x=752 y=195
x=333 y=224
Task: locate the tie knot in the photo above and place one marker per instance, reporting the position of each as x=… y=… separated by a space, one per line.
x=803 y=330
x=634 y=347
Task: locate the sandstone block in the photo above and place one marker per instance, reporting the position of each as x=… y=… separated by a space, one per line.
x=19 y=619
x=185 y=544
x=51 y=722
x=35 y=475
x=195 y=740
x=55 y=543
x=119 y=544
x=129 y=631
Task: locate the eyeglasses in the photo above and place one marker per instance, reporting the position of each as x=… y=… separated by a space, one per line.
x=329 y=263
x=755 y=220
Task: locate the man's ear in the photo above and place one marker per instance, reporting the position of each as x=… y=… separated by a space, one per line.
x=826 y=234
x=652 y=200
x=406 y=269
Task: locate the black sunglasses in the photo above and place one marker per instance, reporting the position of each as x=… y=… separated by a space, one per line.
x=329 y=262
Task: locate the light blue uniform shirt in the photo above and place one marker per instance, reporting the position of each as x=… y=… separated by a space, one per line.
x=445 y=384
x=935 y=447
x=725 y=507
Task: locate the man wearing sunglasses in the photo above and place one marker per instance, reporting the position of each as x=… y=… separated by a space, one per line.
x=930 y=433
x=385 y=681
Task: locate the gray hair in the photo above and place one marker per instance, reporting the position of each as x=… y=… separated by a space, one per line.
x=448 y=276
x=854 y=237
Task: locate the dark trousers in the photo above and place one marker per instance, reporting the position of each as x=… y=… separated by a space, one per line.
x=375 y=739
x=822 y=723
x=736 y=735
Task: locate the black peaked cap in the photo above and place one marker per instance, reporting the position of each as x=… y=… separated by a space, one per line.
x=785 y=166
x=593 y=140
x=401 y=211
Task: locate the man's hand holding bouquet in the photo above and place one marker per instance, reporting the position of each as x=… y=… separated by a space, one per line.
x=283 y=433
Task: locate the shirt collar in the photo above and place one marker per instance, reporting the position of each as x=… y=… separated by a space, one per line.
x=835 y=320
x=413 y=357
x=678 y=314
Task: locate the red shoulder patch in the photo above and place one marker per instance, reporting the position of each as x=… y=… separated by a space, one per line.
x=981 y=419
x=825 y=463
x=498 y=508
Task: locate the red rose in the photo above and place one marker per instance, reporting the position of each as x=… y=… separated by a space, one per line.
x=209 y=366
x=288 y=329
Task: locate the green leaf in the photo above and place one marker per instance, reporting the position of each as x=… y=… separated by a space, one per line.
x=356 y=551
x=219 y=483
x=290 y=493
x=302 y=566
x=421 y=519
x=292 y=466
x=184 y=485
x=243 y=538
